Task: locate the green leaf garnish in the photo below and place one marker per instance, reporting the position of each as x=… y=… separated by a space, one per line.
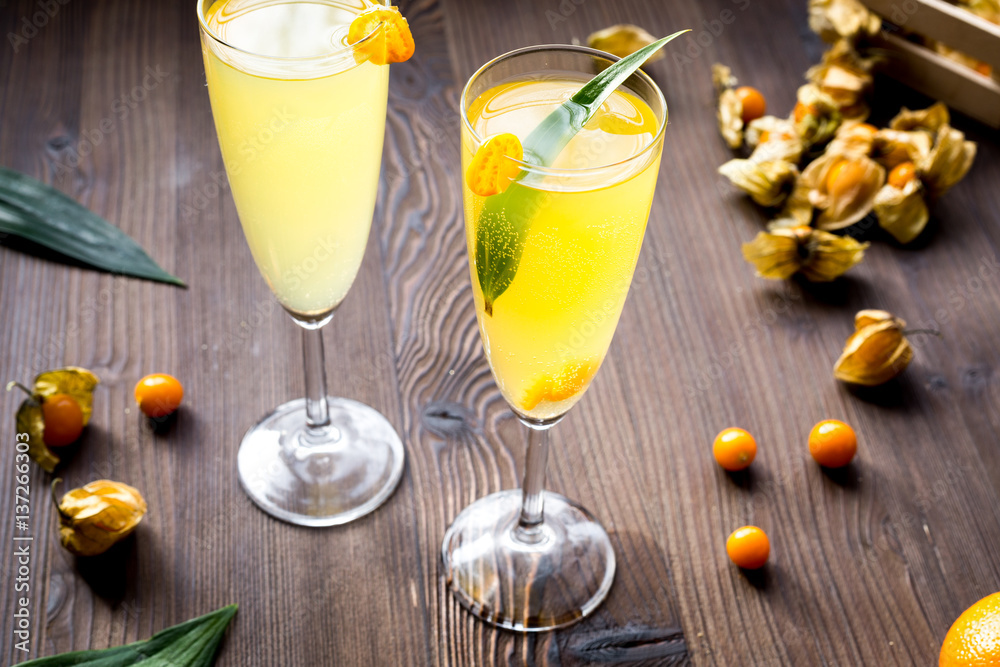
x=41 y=214
x=190 y=644
x=503 y=223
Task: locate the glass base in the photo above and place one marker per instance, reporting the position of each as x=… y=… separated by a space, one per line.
x=553 y=576
x=322 y=478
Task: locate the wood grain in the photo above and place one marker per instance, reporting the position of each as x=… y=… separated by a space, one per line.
x=870 y=566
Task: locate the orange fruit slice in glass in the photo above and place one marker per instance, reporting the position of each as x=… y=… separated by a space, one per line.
x=495 y=165
x=392 y=43
x=570 y=381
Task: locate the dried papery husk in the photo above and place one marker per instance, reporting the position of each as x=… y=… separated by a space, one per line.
x=722 y=77
x=798 y=207
x=730 y=118
x=846 y=77
x=842 y=19
x=783 y=223
x=776 y=254
x=29 y=420
x=773 y=138
x=852 y=138
x=819 y=256
x=957 y=56
x=820 y=125
x=876 y=352
x=947 y=162
x=729 y=113
x=929 y=120
x=892 y=147
x=767 y=183
x=73 y=381
x=987 y=9
x=96 y=516
x=623 y=40
x=830 y=256
x=846 y=207
x=902 y=212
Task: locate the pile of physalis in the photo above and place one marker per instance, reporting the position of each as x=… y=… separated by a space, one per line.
x=52 y=417
x=823 y=169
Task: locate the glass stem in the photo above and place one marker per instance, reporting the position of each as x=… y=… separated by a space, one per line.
x=532 y=501
x=317 y=412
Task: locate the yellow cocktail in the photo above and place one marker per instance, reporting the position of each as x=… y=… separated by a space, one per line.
x=549 y=331
x=299 y=92
x=559 y=168
x=301 y=140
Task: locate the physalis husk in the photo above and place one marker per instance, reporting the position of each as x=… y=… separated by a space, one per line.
x=846 y=77
x=76 y=382
x=729 y=112
x=96 y=516
x=876 y=352
x=842 y=19
x=767 y=183
x=902 y=211
x=819 y=256
x=623 y=40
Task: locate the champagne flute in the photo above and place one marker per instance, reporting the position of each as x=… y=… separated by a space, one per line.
x=563 y=249
x=300 y=125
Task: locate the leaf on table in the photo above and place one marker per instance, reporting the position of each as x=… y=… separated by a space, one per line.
x=43 y=215
x=190 y=644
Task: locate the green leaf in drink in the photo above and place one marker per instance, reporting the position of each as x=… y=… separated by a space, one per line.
x=504 y=221
x=43 y=215
x=190 y=644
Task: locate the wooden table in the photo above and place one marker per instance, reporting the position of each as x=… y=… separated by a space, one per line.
x=869 y=566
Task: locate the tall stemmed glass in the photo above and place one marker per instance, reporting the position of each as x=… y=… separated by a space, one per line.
x=300 y=124
x=557 y=257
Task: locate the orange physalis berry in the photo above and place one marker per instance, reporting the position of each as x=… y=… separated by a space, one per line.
x=159 y=394
x=803 y=110
x=832 y=443
x=844 y=177
x=494 y=165
x=393 y=42
x=901 y=174
x=753 y=103
x=748 y=547
x=63 y=420
x=734 y=449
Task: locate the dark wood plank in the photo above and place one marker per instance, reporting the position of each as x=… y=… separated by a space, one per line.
x=307 y=597
x=868 y=567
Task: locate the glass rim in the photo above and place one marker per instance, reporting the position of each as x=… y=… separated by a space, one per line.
x=528 y=166
x=336 y=53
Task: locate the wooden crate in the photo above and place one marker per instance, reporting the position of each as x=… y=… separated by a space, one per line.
x=958 y=86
